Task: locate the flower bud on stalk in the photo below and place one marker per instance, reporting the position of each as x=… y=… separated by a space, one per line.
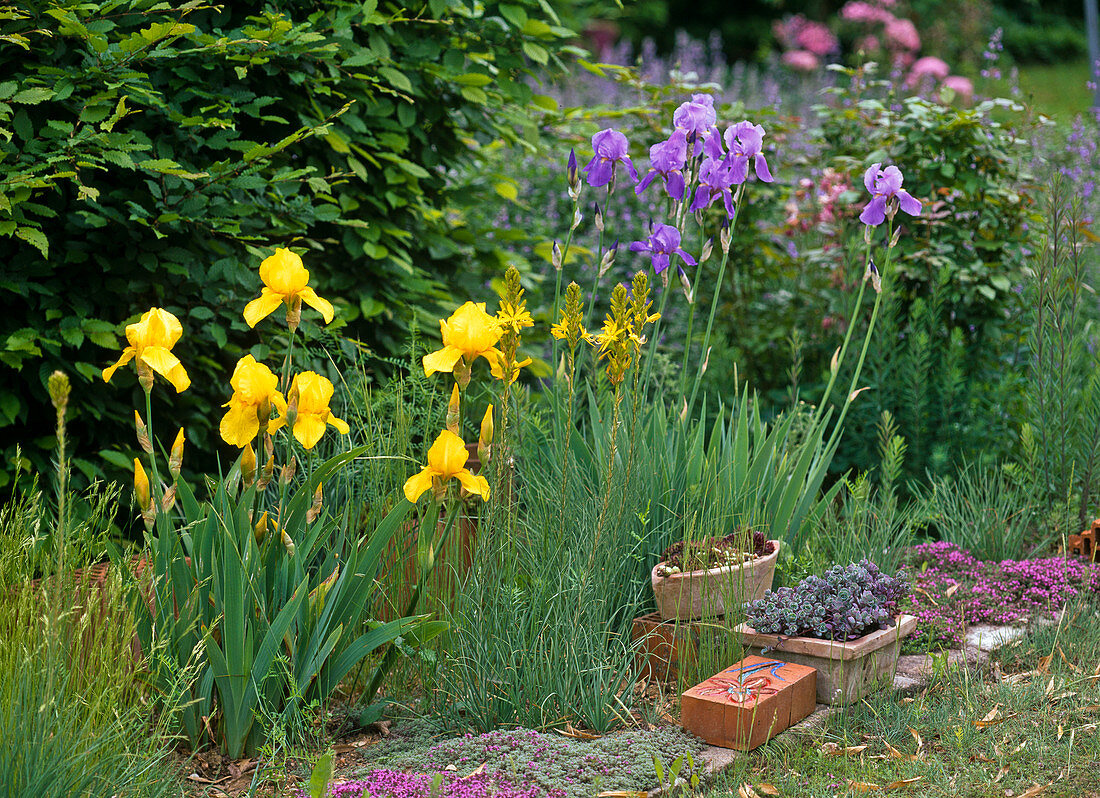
x=867 y=234
x=872 y=274
x=485 y=440
x=142 y=434
x=175 y=458
x=59 y=388
x=168 y=501
x=453 y=412
x=248 y=466
x=260 y=529
x=286 y=475
x=685 y=284
x=608 y=259
x=288 y=543
x=571 y=172
x=266 y=474
x=577 y=219
x=315 y=508
x=462 y=373
x=597 y=216
x=894 y=238
x=708 y=248
x=555 y=256
x=725 y=237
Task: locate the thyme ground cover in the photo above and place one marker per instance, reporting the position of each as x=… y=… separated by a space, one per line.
x=952 y=590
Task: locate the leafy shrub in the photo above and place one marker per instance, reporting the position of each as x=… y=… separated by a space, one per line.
x=146 y=151
x=847 y=602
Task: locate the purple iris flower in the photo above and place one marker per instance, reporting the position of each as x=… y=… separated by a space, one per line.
x=611 y=148
x=715 y=176
x=667 y=159
x=884 y=185
x=697 y=116
x=663 y=243
x=746 y=140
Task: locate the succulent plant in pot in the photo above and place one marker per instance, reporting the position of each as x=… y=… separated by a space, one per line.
x=705 y=577
x=845 y=623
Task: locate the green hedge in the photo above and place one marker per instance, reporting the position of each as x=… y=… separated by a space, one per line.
x=152 y=153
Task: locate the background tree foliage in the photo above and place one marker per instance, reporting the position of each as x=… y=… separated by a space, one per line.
x=151 y=153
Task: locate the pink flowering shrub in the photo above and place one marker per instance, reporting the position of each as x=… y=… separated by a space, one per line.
x=952 y=590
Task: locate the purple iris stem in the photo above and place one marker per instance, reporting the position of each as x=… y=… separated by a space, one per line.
x=691 y=315
x=596 y=264
x=713 y=302
x=554 y=343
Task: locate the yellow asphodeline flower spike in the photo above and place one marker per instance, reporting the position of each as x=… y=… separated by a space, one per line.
x=469 y=333
x=446 y=459
x=151 y=341
x=286 y=281
x=254 y=394
x=314 y=393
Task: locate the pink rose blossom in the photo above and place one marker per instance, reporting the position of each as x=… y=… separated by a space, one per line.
x=817 y=38
x=860 y=11
x=963 y=87
x=902 y=34
x=930 y=66
x=802 y=60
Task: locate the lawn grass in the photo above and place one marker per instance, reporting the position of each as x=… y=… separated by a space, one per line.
x=967 y=734
x=1058 y=90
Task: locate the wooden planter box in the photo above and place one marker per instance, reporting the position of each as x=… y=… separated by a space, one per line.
x=697 y=594
x=750 y=702
x=846 y=671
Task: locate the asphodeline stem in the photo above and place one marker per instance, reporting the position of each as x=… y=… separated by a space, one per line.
x=569 y=377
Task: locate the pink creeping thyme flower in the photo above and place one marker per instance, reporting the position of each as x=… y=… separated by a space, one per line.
x=663 y=243
x=611 y=148
x=885 y=185
x=696 y=116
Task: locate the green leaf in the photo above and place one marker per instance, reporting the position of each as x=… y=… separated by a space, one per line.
x=536 y=53
x=35 y=238
x=321 y=776
x=507 y=189
x=32 y=96
x=473 y=79
x=545 y=102
x=396 y=78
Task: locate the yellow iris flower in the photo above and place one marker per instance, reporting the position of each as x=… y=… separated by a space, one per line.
x=255 y=392
x=469 y=333
x=446 y=459
x=151 y=341
x=285 y=282
x=314 y=393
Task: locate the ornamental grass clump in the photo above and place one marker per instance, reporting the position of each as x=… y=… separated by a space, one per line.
x=849 y=601
x=952 y=590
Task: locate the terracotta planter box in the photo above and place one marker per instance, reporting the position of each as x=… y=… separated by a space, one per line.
x=750 y=702
x=666 y=649
x=697 y=594
x=845 y=671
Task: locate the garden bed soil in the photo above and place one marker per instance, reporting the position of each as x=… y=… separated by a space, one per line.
x=702 y=555
x=691 y=595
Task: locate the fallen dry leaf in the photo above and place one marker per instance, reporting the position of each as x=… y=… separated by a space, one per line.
x=622 y=794
x=1069 y=664
x=863 y=786
x=1044 y=663
x=477 y=771
x=767 y=789
x=1062 y=696
x=1036 y=790
x=746 y=791
x=1000 y=774
x=951 y=590
x=903 y=783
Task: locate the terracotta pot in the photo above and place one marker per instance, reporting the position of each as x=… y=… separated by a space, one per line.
x=688 y=596
x=846 y=671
